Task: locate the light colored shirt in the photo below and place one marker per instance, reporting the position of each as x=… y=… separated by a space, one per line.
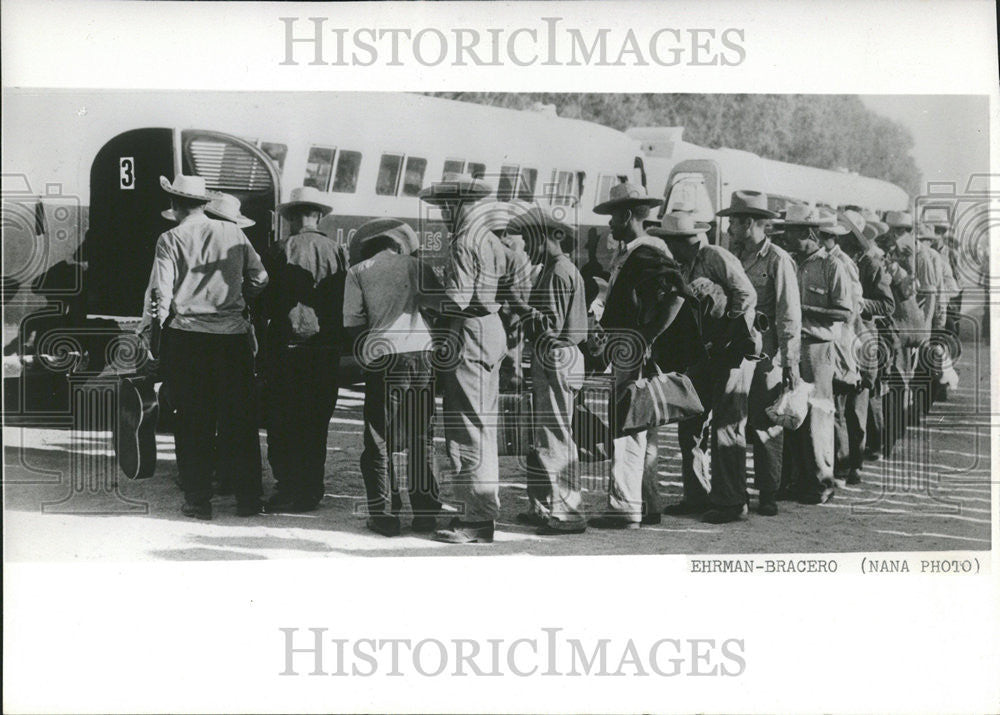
x=478 y=264
x=383 y=294
x=930 y=284
x=559 y=298
x=774 y=278
x=201 y=270
x=823 y=283
x=725 y=270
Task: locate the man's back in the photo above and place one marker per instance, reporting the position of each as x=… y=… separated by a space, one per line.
x=203 y=267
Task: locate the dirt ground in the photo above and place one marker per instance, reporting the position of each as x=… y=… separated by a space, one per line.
x=935 y=494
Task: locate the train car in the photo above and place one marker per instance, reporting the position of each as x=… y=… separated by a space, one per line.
x=684 y=173
x=98 y=158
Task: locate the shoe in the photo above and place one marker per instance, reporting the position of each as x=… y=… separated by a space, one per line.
x=423 y=524
x=384 y=525
x=853 y=477
x=531 y=518
x=725 y=514
x=466 y=532
x=651 y=519
x=685 y=509
x=198 y=511
x=552 y=529
x=612 y=521
x=250 y=508
x=839 y=482
x=817 y=497
x=767 y=507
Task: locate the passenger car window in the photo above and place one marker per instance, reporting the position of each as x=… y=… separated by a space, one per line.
x=388 y=174
x=345 y=181
x=413 y=179
x=319 y=166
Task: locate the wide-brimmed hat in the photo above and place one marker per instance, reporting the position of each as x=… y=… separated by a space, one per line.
x=679 y=225
x=227 y=207
x=541 y=220
x=748 y=203
x=874 y=229
x=899 y=219
x=306 y=196
x=393 y=228
x=625 y=195
x=496 y=215
x=169 y=215
x=803 y=215
x=926 y=232
x=187 y=187
x=455 y=187
x=854 y=223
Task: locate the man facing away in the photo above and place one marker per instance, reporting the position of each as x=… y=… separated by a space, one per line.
x=555 y=320
x=724 y=386
x=201 y=271
x=774 y=277
x=478 y=261
x=393 y=343
x=304 y=303
x=824 y=286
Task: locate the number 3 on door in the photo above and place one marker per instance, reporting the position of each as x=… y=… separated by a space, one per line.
x=126 y=172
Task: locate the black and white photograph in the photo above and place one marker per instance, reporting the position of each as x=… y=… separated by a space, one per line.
x=416 y=378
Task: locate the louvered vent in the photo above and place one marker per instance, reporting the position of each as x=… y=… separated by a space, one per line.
x=228 y=167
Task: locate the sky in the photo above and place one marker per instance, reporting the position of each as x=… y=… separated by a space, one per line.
x=950 y=132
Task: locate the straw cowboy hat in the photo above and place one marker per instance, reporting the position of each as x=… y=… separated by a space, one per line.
x=748 y=203
x=497 y=215
x=227 y=207
x=541 y=220
x=854 y=223
x=187 y=187
x=680 y=225
x=874 y=229
x=306 y=196
x=926 y=232
x=625 y=196
x=393 y=228
x=455 y=187
x=802 y=215
x=899 y=219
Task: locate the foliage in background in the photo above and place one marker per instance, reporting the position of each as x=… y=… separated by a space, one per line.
x=826 y=131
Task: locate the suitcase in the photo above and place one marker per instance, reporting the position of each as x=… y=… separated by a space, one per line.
x=514 y=424
x=590 y=419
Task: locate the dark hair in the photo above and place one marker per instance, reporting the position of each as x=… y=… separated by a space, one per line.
x=377 y=244
x=185 y=203
x=640 y=212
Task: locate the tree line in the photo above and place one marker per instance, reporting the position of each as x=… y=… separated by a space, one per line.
x=825 y=131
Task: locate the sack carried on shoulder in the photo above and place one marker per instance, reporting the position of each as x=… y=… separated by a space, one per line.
x=653 y=401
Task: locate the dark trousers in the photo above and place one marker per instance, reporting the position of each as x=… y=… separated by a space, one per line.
x=875 y=431
x=953 y=315
x=767 y=439
x=301 y=396
x=212 y=386
x=849 y=430
x=721 y=432
x=399 y=410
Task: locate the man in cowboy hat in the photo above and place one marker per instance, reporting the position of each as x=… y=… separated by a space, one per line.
x=633 y=492
x=774 y=277
x=393 y=343
x=304 y=305
x=724 y=384
x=876 y=309
x=555 y=320
x=850 y=387
x=935 y=283
x=824 y=288
x=470 y=305
x=201 y=271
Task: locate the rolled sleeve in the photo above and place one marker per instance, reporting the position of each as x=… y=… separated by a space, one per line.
x=788 y=311
x=254 y=274
x=355 y=313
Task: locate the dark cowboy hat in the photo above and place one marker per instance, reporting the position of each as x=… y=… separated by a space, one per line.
x=625 y=196
x=748 y=203
x=455 y=187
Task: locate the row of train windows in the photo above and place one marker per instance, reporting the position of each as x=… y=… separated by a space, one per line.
x=330 y=169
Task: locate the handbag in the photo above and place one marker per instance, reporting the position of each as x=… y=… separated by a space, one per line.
x=655 y=401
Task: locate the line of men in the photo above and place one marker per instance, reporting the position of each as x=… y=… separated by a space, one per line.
x=743 y=323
